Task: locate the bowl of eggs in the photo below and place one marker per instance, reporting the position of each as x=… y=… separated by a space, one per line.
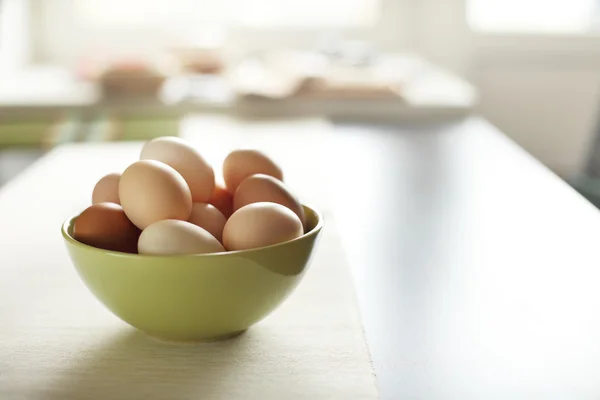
x=182 y=258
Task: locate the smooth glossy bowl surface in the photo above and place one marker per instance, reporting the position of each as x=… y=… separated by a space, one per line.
x=194 y=297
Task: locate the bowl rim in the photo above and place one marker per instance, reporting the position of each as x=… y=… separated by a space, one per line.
x=71 y=240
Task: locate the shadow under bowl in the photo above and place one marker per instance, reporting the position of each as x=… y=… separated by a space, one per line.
x=194 y=298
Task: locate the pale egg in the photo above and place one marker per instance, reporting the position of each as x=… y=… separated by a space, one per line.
x=240 y=164
x=186 y=160
x=107 y=189
x=151 y=191
x=260 y=224
x=259 y=188
x=208 y=217
x=171 y=237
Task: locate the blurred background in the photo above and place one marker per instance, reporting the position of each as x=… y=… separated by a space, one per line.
x=86 y=70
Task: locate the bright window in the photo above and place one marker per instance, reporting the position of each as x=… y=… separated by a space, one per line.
x=533 y=16
x=256 y=13
x=70 y=29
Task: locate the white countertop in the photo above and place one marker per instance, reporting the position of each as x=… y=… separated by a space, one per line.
x=475 y=268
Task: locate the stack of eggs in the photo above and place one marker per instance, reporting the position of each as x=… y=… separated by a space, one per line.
x=168 y=203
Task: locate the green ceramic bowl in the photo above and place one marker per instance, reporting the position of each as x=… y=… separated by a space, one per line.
x=203 y=297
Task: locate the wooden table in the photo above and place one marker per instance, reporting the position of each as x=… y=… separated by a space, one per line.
x=475 y=268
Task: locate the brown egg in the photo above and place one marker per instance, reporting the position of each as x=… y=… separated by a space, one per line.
x=259 y=188
x=105 y=225
x=240 y=164
x=186 y=160
x=208 y=217
x=223 y=200
x=260 y=224
x=151 y=191
x=107 y=189
x=171 y=236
